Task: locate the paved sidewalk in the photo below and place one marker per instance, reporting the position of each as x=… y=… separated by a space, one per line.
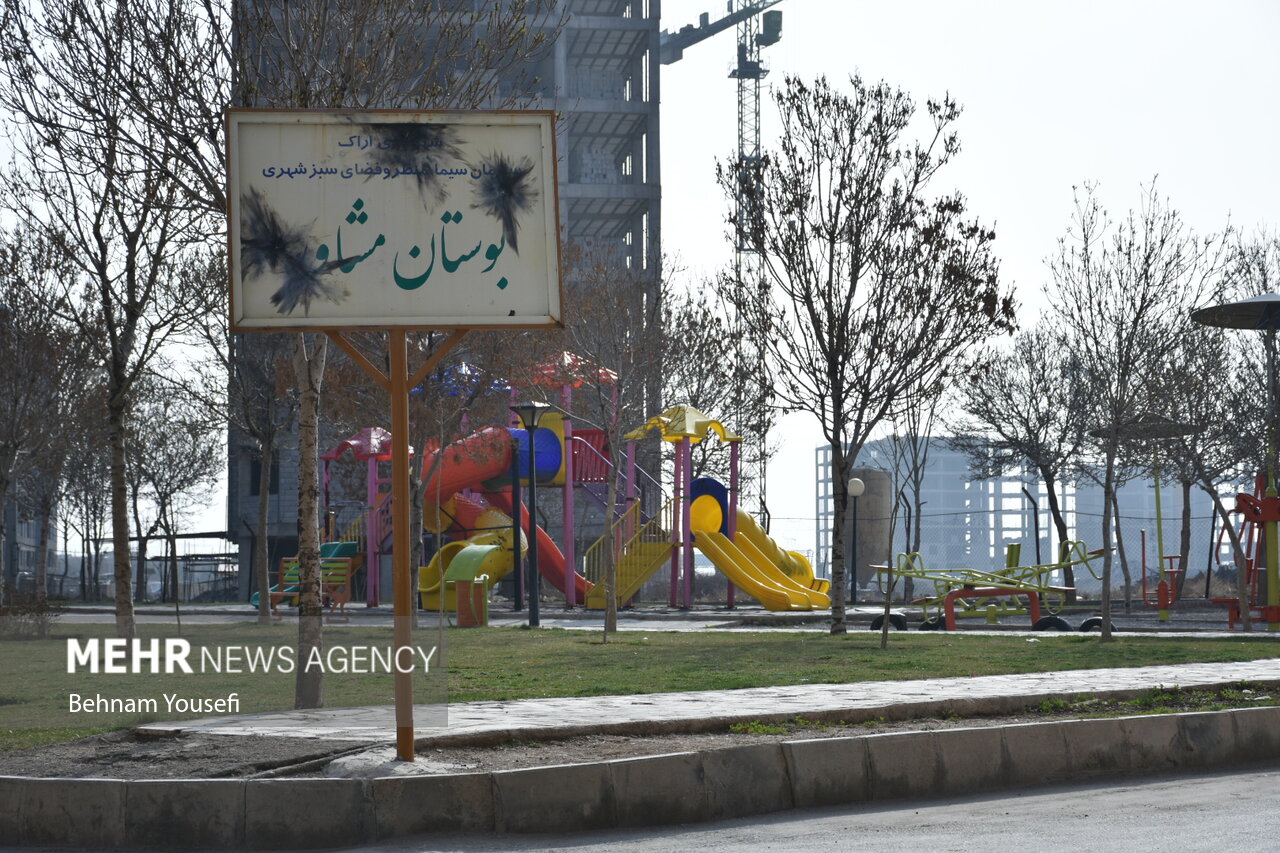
x=702 y=710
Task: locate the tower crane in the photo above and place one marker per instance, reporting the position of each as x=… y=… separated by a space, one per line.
x=757 y=28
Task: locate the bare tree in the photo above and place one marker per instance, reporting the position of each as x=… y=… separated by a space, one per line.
x=702 y=366
x=613 y=323
x=874 y=289
x=1022 y=408
x=87 y=497
x=1209 y=382
x=115 y=216
x=248 y=381
x=915 y=425
x=45 y=360
x=180 y=458
x=1122 y=294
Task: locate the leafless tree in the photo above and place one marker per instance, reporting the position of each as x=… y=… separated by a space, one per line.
x=874 y=288
x=246 y=380
x=1022 y=408
x=702 y=366
x=87 y=498
x=45 y=363
x=78 y=180
x=179 y=455
x=1210 y=382
x=1121 y=293
x=613 y=322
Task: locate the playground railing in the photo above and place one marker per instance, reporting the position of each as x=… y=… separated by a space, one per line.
x=645 y=543
x=593 y=459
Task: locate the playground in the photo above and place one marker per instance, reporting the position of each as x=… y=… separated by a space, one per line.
x=479 y=532
x=481 y=545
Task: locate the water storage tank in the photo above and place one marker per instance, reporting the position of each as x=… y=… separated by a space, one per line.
x=874 y=511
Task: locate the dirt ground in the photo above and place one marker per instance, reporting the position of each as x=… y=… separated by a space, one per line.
x=121 y=755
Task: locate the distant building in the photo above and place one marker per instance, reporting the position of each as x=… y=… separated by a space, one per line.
x=967 y=523
x=22 y=547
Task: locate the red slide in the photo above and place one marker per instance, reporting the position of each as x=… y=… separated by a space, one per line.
x=467 y=463
x=550 y=558
x=485 y=455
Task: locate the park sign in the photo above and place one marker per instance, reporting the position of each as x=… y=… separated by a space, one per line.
x=392 y=219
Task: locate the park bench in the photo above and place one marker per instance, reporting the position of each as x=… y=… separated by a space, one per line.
x=339 y=562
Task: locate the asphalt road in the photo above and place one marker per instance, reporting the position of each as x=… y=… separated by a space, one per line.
x=1220 y=812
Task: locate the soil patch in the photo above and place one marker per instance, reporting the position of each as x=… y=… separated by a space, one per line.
x=121 y=755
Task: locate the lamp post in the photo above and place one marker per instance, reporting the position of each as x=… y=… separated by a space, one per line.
x=1261 y=313
x=855 y=488
x=530 y=414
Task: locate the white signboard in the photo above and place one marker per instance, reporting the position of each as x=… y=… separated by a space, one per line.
x=342 y=219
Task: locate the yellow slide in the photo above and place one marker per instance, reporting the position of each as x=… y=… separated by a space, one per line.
x=793 y=564
x=496 y=562
x=754 y=562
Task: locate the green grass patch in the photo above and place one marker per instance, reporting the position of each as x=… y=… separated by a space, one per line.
x=756 y=727
x=1163 y=700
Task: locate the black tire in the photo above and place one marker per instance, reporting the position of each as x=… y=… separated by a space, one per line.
x=897 y=622
x=1094 y=623
x=1051 y=623
x=934 y=623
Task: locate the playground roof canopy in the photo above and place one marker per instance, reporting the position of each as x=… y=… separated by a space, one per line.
x=571 y=369
x=1256 y=312
x=368 y=443
x=680 y=422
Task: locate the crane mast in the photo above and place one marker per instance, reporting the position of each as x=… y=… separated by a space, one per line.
x=754 y=31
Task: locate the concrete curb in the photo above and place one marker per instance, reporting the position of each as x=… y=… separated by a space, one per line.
x=663 y=789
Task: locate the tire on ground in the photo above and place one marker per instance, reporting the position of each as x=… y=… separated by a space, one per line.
x=897 y=622
x=1051 y=623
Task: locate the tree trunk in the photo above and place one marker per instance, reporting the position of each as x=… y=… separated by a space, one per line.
x=97 y=569
x=1108 y=495
x=1060 y=525
x=1122 y=554
x=8 y=573
x=261 y=557
x=42 y=564
x=1237 y=553
x=840 y=510
x=416 y=496
x=1184 y=543
x=309 y=372
x=172 y=546
x=140 y=590
x=126 y=628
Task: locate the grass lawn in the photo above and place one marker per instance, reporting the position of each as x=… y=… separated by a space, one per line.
x=513 y=663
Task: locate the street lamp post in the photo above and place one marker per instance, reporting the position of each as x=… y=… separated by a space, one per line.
x=855 y=488
x=530 y=414
x=1261 y=313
